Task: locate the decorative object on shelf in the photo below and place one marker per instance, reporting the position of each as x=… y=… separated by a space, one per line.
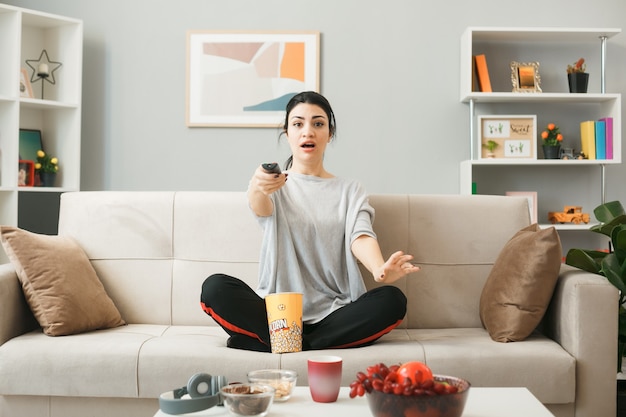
x=531 y=196
x=515 y=136
x=26 y=89
x=43 y=69
x=551 y=152
x=26 y=174
x=47 y=179
x=552 y=139
x=47 y=168
x=570 y=214
x=566 y=153
x=577 y=78
x=491 y=145
x=30 y=143
x=588 y=138
x=482 y=73
x=610 y=263
x=525 y=77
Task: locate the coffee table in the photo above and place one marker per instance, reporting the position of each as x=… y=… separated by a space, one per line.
x=482 y=402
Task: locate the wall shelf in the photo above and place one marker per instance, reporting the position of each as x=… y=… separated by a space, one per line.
x=24 y=34
x=555 y=104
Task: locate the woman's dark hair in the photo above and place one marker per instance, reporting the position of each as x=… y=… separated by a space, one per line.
x=309 y=97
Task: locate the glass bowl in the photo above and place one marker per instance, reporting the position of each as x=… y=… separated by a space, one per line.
x=247 y=399
x=441 y=405
x=282 y=380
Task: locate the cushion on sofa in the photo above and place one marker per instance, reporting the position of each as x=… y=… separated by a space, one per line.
x=520 y=285
x=59 y=283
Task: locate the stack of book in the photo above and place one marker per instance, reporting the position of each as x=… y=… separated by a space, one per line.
x=596 y=138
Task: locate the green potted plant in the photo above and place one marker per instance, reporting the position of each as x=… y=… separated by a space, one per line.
x=46 y=168
x=577 y=78
x=611 y=263
x=552 y=139
x=491 y=146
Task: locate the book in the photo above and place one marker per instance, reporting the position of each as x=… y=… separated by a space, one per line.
x=609 y=137
x=484 y=84
x=600 y=139
x=588 y=138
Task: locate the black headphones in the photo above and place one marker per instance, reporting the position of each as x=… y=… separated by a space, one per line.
x=203 y=389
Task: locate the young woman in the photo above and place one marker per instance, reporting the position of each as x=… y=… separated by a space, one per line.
x=315 y=228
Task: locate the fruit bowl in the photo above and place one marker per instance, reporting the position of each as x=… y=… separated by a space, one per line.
x=283 y=381
x=422 y=405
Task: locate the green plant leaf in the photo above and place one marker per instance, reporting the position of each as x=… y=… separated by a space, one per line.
x=618 y=238
x=607 y=228
x=612 y=265
x=608 y=211
x=612 y=270
x=622 y=324
x=587 y=260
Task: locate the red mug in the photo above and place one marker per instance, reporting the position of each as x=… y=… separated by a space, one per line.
x=324 y=374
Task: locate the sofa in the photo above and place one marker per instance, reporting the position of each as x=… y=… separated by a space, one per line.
x=152 y=250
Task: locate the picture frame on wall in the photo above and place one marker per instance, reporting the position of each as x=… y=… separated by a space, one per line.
x=512 y=136
x=525 y=77
x=245 y=79
x=26 y=173
x=26 y=89
x=531 y=196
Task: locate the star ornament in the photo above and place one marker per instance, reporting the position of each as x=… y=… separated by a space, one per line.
x=43 y=68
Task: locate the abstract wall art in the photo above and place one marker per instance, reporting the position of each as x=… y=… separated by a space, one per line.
x=245 y=79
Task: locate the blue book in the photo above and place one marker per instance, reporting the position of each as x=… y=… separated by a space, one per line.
x=609 y=137
x=600 y=139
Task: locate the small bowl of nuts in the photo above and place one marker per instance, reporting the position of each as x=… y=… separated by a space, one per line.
x=282 y=380
x=247 y=399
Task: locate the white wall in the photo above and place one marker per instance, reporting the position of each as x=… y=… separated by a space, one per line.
x=390 y=69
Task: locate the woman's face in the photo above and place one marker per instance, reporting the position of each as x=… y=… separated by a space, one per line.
x=308 y=133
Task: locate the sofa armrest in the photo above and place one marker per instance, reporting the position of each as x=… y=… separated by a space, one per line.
x=15 y=316
x=582 y=318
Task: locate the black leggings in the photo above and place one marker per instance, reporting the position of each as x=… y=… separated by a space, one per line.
x=241 y=313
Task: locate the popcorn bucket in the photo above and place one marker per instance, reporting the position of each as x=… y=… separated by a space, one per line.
x=284 y=318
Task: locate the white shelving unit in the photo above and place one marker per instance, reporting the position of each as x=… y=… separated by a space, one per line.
x=553 y=48
x=24 y=34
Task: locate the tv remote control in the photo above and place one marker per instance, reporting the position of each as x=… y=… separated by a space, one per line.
x=272 y=168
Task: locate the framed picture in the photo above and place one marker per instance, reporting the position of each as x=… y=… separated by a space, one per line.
x=26 y=90
x=525 y=77
x=531 y=196
x=509 y=137
x=245 y=79
x=26 y=174
x=30 y=143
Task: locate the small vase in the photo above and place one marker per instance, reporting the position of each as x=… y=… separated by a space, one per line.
x=47 y=178
x=578 y=82
x=551 y=152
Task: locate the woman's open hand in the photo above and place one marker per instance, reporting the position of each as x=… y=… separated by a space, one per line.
x=397 y=266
